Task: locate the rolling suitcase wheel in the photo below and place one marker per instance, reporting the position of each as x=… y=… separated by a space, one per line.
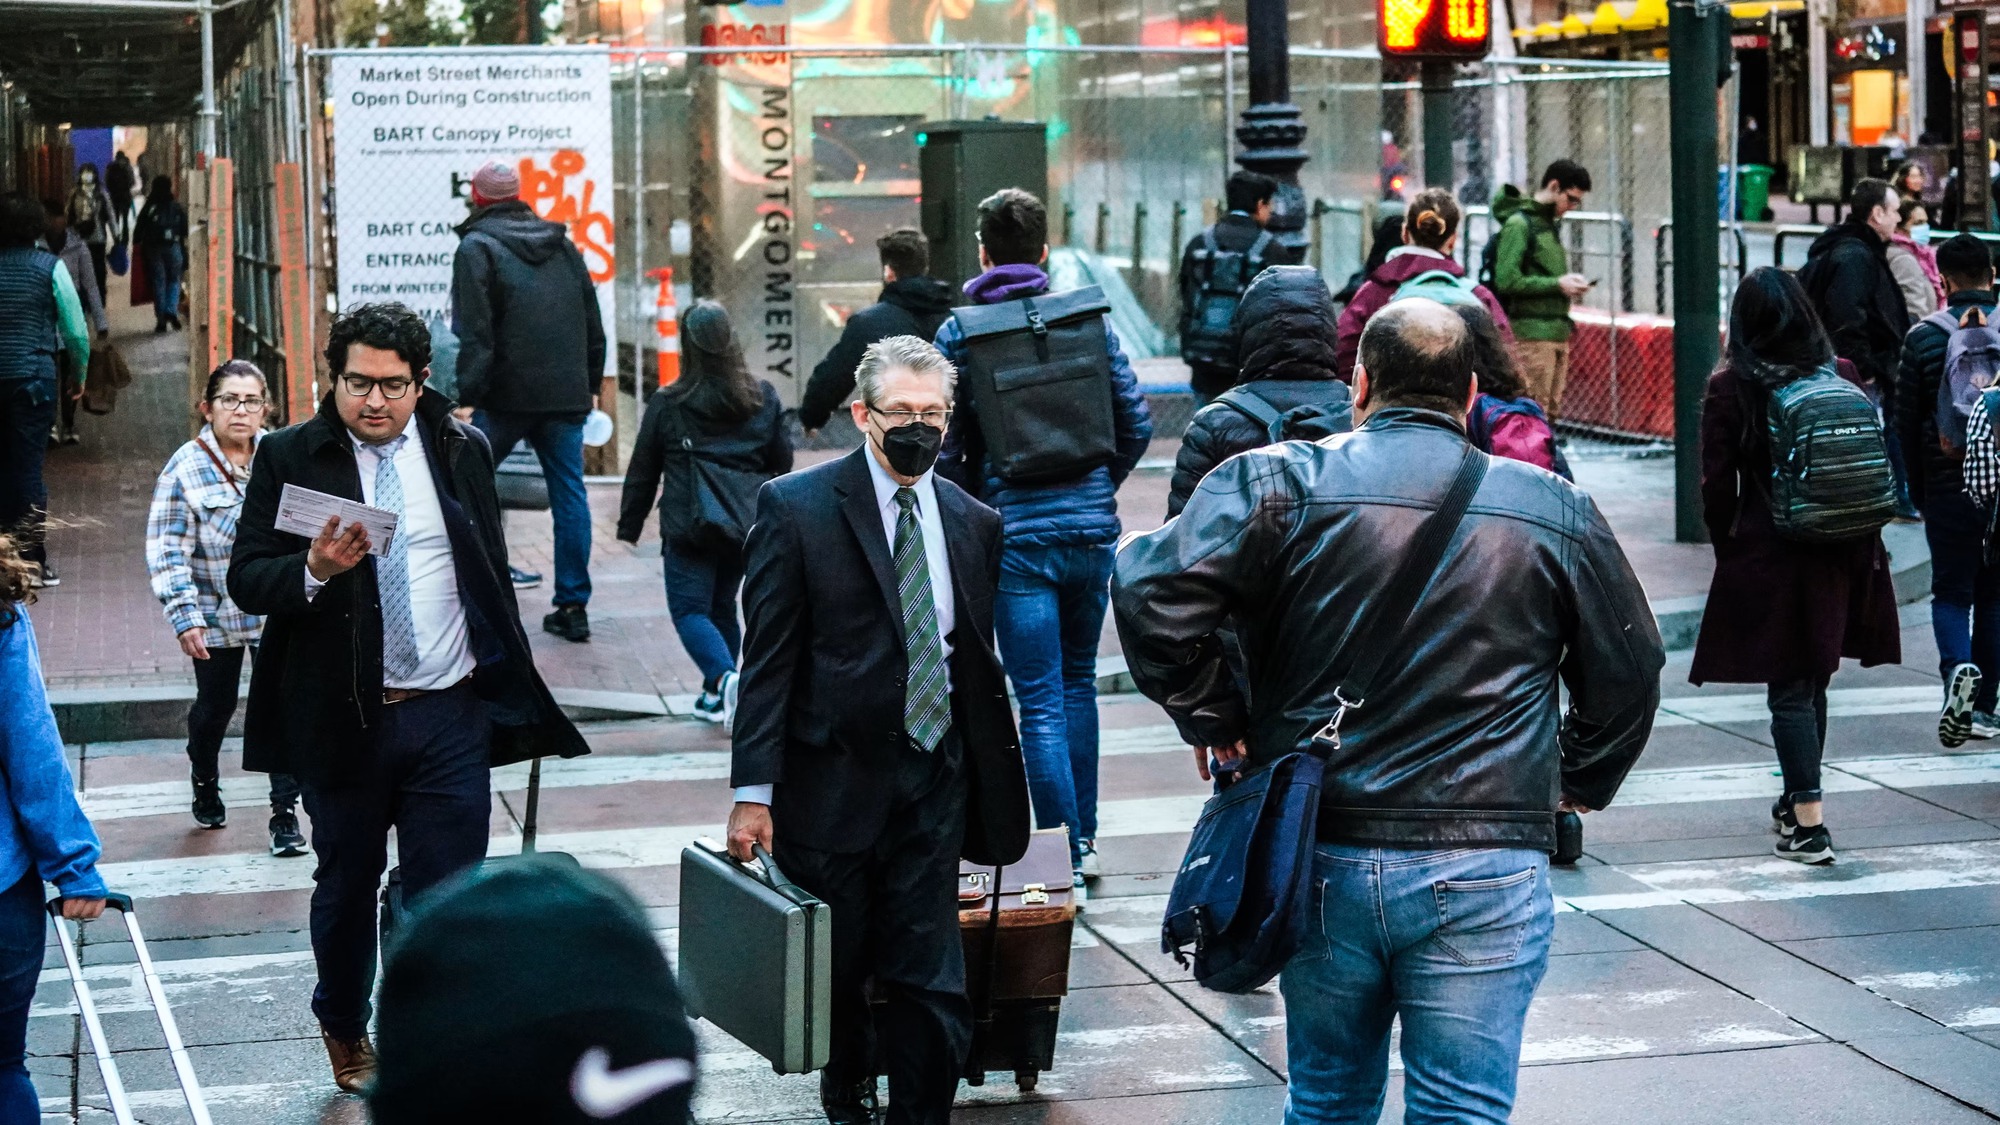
x=1026 y=1080
x=114 y=1086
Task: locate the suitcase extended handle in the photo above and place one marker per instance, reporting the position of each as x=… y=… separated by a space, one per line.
x=113 y=900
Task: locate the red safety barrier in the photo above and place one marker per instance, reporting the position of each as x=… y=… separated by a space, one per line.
x=1632 y=396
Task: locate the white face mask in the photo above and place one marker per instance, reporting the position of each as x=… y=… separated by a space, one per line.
x=1921 y=234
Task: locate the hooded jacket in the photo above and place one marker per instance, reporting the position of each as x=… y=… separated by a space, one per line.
x=1847 y=277
x=1463 y=741
x=530 y=337
x=1285 y=339
x=1527 y=261
x=908 y=306
x=1403 y=263
x=1078 y=513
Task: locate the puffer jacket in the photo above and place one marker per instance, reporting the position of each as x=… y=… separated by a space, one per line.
x=530 y=338
x=1914 y=413
x=1403 y=263
x=1285 y=341
x=1461 y=742
x=1078 y=513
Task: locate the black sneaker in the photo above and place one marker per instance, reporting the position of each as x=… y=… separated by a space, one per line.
x=1955 y=720
x=523 y=579
x=1812 y=844
x=209 y=811
x=709 y=706
x=286 y=839
x=1783 y=821
x=47 y=578
x=569 y=622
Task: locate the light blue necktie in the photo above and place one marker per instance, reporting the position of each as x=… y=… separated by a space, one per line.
x=392 y=571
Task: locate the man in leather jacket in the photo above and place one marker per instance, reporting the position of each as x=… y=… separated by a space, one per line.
x=1439 y=806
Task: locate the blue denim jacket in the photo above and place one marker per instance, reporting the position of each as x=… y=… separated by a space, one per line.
x=1082 y=512
x=45 y=828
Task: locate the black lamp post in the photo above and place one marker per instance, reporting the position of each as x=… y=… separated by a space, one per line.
x=1272 y=131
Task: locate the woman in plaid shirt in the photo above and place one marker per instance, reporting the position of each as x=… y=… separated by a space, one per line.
x=189 y=534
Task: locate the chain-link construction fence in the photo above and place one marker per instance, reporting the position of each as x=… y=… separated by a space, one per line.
x=764 y=176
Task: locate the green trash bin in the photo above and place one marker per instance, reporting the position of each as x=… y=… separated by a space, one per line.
x=1753 y=192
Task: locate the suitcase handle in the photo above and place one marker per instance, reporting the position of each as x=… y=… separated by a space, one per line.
x=113 y=900
x=772 y=876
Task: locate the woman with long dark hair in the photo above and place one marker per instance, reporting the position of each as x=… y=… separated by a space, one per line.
x=162 y=232
x=712 y=437
x=1781 y=613
x=44 y=835
x=1503 y=420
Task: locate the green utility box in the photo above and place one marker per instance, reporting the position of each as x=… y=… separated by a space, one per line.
x=1753 y=192
x=963 y=162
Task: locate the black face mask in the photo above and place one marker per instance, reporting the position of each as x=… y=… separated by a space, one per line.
x=912 y=449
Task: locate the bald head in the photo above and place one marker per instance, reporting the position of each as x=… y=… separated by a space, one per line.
x=1417 y=352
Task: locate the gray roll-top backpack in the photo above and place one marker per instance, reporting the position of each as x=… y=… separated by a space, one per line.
x=1830 y=477
x=1210 y=335
x=1971 y=365
x=1038 y=374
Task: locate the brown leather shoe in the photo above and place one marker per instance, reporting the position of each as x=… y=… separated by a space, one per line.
x=353 y=1062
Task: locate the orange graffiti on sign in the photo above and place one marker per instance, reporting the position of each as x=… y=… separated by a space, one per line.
x=564 y=193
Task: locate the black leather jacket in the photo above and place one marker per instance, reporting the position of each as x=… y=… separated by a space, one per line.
x=1461 y=742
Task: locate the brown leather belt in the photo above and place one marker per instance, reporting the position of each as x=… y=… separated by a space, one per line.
x=404 y=695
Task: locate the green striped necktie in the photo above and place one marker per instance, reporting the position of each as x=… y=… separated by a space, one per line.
x=926 y=707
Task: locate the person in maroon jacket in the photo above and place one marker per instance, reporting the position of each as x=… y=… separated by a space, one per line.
x=1430 y=235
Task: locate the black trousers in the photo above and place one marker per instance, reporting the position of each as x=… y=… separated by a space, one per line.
x=1798 y=731
x=27 y=411
x=216 y=683
x=428 y=777
x=895 y=920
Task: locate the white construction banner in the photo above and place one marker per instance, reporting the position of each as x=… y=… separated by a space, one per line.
x=410 y=127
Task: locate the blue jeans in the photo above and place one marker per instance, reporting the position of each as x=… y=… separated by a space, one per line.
x=1454 y=943
x=1049 y=616
x=701 y=598
x=24 y=934
x=164 y=266
x=27 y=410
x=1965 y=590
x=558 y=442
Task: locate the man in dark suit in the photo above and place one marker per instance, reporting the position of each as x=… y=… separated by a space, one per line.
x=389 y=685
x=873 y=741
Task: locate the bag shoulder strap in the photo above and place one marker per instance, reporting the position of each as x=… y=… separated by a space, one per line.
x=1360 y=656
x=228 y=477
x=1252 y=405
x=1257 y=248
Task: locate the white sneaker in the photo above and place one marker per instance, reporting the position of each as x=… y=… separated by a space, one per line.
x=729 y=680
x=1089 y=866
x=1955 y=719
x=1079 y=893
x=1985 y=725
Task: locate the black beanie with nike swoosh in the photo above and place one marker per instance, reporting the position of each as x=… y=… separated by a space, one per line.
x=530 y=991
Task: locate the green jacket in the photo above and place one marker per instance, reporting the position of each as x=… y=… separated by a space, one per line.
x=1525 y=267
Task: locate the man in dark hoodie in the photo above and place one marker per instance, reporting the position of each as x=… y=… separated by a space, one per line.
x=911 y=304
x=1847 y=277
x=1056 y=543
x=1240 y=232
x=531 y=353
x=1285 y=328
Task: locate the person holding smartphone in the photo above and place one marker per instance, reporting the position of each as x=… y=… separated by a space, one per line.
x=1531 y=275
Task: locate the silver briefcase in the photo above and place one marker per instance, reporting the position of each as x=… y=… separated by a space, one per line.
x=756 y=956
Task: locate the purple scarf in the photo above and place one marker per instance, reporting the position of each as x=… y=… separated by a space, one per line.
x=1007 y=283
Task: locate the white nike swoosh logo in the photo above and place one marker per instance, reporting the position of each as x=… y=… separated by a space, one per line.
x=603 y=1093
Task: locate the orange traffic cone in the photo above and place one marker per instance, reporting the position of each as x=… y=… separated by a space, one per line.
x=667 y=327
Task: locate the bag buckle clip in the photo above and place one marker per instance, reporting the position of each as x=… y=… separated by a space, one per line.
x=1034 y=894
x=1330 y=733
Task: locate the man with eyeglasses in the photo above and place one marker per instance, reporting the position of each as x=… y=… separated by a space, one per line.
x=387 y=684
x=1529 y=271
x=873 y=745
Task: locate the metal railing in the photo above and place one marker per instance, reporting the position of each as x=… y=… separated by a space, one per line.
x=1663 y=260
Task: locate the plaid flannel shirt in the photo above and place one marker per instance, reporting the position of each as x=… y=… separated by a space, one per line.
x=189 y=534
x=1982 y=456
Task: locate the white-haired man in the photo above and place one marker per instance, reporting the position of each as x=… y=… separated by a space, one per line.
x=873 y=743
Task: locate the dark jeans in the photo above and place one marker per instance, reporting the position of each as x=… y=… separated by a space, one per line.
x=427 y=777
x=216 y=683
x=66 y=400
x=701 y=598
x=558 y=442
x=24 y=933
x=1965 y=591
x=895 y=919
x=164 y=266
x=27 y=410
x=1798 y=730
x=1049 y=619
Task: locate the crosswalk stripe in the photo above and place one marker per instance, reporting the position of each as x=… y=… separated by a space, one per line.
x=1918 y=867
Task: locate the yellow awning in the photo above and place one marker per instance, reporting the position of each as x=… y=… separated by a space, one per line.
x=1610 y=18
x=1606 y=20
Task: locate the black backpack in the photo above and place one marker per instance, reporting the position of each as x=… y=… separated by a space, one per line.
x=1309 y=421
x=1208 y=335
x=1038 y=374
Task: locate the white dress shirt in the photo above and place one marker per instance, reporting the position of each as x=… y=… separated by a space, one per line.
x=931 y=523
x=444 y=647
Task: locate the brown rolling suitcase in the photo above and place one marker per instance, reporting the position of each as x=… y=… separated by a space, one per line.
x=1017 y=958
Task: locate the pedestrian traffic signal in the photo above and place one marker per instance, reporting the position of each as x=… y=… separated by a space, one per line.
x=1432 y=29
